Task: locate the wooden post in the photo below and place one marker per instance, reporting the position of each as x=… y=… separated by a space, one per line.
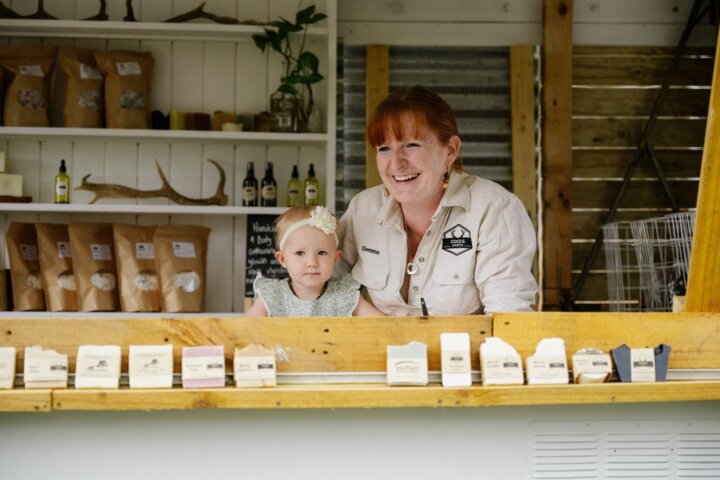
x=522 y=100
x=377 y=87
x=557 y=153
x=703 y=292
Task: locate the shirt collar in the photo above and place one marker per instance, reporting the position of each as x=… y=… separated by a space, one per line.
x=456 y=195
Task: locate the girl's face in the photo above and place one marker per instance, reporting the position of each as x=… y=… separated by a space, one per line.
x=309 y=255
x=412 y=168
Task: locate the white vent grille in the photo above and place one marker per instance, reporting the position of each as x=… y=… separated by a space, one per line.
x=624 y=450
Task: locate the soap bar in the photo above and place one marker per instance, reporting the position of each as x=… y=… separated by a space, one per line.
x=7 y=367
x=3 y=162
x=11 y=185
x=500 y=363
x=548 y=366
x=456 y=369
x=151 y=366
x=203 y=367
x=45 y=368
x=97 y=366
x=407 y=364
x=197 y=121
x=591 y=365
x=254 y=367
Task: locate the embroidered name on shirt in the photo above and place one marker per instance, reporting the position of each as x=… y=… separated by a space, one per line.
x=369 y=250
x=456 y=240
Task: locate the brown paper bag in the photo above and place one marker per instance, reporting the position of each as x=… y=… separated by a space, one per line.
x=139 y=287
x=24 y=267
x=181 y=259
x=56 y=267
x=128 y=80
x=84 y=102
x=94 y=265
x=28 y=93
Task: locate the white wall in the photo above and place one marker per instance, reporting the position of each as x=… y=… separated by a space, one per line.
x=513 y=22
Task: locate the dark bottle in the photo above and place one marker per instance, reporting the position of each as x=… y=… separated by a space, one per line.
x=268 y=188
x=250 y=187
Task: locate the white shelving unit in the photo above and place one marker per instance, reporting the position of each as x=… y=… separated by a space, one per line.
x=199 y=67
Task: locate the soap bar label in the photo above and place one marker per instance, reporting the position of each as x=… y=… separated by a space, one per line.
x=97 y=366
x=407 y=370
x=203 y=368
x=455 y=361
x=100 y=252
x=642 y=365
x=501 y=367
x=547 y=367
x=183 y=249
x=150 y=364
x=64 y=250
x=45 y=369
x=591 y=363
x=144 y=251
x=125 y=69
x=255 y=368
x=31 y=70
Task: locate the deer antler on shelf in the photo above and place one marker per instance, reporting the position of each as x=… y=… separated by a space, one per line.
x=110 y=190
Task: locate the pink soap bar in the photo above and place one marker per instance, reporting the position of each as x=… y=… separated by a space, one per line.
x=203 y=367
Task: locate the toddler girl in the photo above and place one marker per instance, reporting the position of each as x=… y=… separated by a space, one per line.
x=307 y=246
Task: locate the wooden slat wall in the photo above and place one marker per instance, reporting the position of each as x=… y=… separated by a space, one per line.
x=199 y=76
x=377 y=87
x=613 y=91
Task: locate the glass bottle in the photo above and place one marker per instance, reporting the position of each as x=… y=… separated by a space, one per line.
x=62 y=185
x=294 y=189
x=312 y=187
x=268 y=188
x=250 y=187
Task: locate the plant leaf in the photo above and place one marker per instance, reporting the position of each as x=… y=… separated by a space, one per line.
x=286 y=88
x=303 y=16
x=261 y=41
x=317 y=17
x=308 y=62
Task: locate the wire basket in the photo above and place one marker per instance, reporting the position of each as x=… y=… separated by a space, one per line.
x=647 y=261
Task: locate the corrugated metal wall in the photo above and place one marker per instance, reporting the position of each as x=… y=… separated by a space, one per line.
x=474 y=81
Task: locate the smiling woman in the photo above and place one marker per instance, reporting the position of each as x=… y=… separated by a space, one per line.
x=432 y=239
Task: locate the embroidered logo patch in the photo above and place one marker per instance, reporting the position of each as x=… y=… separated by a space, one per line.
x=456 y=240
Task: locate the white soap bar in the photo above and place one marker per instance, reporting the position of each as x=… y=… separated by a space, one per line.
x=151 y=366
x=591 y=365
x=11 y=185
x=456 y=367
x=45 y=368
x=3 y=162
x=97 y=366
x=407 y=364
x=254 y=366
x=7 y=367
x=548 y=366
x=500 y=363
x=642 y=365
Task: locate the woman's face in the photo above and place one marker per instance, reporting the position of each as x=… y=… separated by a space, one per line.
x=412 y=168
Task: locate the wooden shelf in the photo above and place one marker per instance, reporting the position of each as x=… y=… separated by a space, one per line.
x=134 y=30
x=47 y=133
x=25 y=400
x=139 y=209
x=381 y=396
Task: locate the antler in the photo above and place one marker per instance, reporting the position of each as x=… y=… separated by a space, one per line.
x=111 y=190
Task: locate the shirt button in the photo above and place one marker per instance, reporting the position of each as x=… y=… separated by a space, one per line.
x=415 y=288
x=421 y=259
x=456 y=276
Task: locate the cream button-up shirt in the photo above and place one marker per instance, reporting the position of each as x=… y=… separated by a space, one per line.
x=476 y=256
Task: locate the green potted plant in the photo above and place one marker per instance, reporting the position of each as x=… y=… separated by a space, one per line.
x=293 y=102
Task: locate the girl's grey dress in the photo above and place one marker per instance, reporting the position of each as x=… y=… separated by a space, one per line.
x=339 y=300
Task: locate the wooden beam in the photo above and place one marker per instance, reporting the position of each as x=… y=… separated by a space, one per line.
x=703 y=293
x=522 y=100
x=557 y=153
x=377 y=87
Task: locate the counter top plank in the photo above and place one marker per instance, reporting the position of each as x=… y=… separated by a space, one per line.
x=21 y=400
x=382 y=396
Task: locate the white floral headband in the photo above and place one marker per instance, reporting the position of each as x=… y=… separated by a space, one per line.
x=320 y=218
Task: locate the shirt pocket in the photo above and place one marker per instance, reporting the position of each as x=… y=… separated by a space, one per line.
x=454 y=272
x=371 y=275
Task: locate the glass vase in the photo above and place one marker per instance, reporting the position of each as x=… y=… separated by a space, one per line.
x=284 y=111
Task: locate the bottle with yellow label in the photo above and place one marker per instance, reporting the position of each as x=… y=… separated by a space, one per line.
x=312 y=187
x=62 y=185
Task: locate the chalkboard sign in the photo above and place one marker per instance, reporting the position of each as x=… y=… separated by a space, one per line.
x=260 y=254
